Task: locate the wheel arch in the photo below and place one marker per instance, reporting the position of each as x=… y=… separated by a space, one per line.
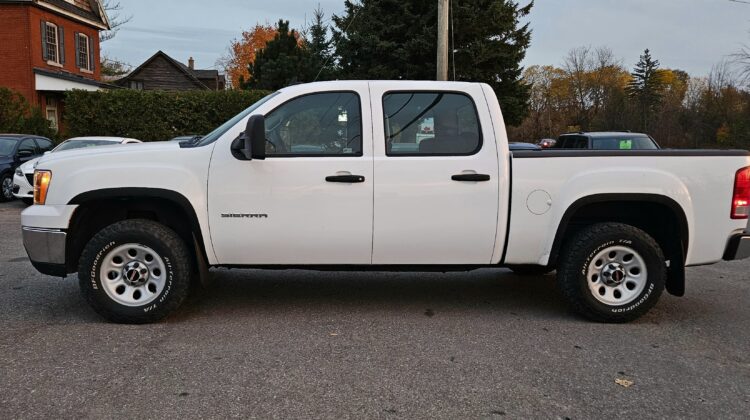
x=666 y=221
x=99 y=208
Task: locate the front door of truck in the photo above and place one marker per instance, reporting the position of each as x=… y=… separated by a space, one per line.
x=436 y=176
x=310 y=201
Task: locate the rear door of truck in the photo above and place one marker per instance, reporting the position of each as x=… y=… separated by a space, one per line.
x=436 y=175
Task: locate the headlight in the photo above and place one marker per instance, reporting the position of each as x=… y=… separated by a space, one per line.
x=41 y=185
x=19 y=172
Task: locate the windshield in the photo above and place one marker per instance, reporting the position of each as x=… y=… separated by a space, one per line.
x=6 y=146
x=80 y=144
x=214 y=135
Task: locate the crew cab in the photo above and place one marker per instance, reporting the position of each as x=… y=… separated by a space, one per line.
x=342 y=176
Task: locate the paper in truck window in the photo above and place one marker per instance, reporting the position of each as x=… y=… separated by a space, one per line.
x=626 y=144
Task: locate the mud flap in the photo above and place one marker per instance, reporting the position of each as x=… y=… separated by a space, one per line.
x=204 y=275
x=676 y=273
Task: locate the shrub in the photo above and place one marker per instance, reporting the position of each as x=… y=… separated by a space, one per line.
x=152 y=115
x=18 y=116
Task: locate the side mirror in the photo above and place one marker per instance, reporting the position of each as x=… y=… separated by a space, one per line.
x=22 y=154
x=252 y=143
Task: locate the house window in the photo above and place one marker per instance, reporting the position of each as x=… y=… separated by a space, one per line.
x=51 y=41
x=51 y=111
x=83 y=52
x=134 y=84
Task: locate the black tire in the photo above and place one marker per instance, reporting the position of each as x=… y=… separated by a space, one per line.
x=576 y=259
x=6 y=188
x=28 y=201
x=165 y=243
x=531 y=270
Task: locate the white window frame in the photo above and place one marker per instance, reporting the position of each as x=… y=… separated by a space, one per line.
x=52 y=108
x=52 y=28
x=84 y=65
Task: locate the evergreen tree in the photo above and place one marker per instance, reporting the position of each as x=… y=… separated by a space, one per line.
x=397 y=39
x=284 y=61
x=646 y=88
x=319 y=45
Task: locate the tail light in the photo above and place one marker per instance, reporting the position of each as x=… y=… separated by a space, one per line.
x=741 y=196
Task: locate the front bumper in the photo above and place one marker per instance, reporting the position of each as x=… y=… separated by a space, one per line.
x=738 y=247
x=46 y=249
x=22 y=188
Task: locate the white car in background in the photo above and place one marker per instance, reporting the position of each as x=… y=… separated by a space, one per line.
x=23 y=179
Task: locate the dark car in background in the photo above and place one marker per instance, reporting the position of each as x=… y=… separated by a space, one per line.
x=16 y=149
x=606 y=141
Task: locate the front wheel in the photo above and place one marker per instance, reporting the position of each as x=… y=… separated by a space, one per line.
x=611 y=272
x=135 y=272
x=6 y=188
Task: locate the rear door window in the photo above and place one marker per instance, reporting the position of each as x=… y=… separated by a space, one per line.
x=430 y=124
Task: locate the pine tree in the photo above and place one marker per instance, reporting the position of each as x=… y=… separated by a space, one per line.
x=397 y=39
x=284 y=61
x=319 y=45
x=646 y=88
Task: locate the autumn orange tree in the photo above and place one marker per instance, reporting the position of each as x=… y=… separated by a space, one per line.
x=241 y=53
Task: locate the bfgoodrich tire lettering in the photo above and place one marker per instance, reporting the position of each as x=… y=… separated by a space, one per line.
x=147 y=237
x=619 y=262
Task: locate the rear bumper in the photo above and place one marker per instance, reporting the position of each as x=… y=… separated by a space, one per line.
x=46 y=249
x=738 y=247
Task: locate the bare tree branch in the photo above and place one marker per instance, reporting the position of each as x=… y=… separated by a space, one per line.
x=116 y=19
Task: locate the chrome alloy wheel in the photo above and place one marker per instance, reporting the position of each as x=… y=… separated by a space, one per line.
x=7 y=188
x=617 y=275
x=133 y=275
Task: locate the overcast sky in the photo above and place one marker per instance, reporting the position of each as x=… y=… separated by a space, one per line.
x=691 y=35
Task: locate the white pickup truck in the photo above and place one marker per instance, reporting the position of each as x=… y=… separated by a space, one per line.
x=385 y=175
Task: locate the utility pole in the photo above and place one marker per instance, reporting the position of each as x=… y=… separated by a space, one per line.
x=442 y=40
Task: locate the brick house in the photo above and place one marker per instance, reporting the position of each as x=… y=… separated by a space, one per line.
x=48 y=47
x=162 y=72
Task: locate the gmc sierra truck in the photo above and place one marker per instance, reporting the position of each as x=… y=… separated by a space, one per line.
x=387 y=176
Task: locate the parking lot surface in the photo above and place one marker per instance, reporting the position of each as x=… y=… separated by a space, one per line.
x=297 y=344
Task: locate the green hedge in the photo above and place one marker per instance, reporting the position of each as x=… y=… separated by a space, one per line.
x=152 y=115
x=18 y=116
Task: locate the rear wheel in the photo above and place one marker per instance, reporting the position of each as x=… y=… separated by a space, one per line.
x=611 y=272
x=135 y=272
x=6 y=188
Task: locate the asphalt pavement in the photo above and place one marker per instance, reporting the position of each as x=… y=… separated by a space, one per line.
x=297 y=344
